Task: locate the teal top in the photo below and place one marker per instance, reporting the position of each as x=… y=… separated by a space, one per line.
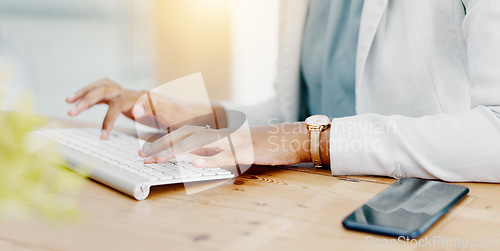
x=328 y=59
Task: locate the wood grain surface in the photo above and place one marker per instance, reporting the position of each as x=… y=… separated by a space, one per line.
x=267 y=208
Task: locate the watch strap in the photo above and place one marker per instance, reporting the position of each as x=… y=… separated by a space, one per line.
x=314 y=147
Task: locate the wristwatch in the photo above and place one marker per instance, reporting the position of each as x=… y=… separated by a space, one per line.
x=316 y=124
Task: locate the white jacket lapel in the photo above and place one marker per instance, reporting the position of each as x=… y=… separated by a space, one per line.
x=373 y=11
x=292 y=22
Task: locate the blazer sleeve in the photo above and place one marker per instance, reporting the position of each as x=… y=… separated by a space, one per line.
x=451 y=147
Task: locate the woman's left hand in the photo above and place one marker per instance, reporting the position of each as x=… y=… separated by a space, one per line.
x=277 y=144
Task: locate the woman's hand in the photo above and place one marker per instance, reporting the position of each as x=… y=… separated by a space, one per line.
x=136 y=105
x=108 y=92
x=283 y=144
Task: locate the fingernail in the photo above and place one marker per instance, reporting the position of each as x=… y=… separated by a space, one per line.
x=104 y=135
x=199 y=162
x=72 y=111
x=138 y=111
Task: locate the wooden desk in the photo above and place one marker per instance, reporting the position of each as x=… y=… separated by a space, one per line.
x=284 y=208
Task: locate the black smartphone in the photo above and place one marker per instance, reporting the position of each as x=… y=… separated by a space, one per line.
x=406 y=208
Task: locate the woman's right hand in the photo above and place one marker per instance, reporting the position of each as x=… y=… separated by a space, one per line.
x=108 y=92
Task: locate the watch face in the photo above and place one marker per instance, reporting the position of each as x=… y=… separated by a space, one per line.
x=318 y=120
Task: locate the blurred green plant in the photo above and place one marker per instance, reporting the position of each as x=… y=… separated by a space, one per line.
x=33 y=180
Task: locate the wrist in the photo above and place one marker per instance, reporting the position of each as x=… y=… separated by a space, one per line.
x=296 y=137
x=324 y=146
x=305 y=149
x=319 y=134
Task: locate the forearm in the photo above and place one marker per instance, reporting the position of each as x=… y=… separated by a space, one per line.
x=451 y=147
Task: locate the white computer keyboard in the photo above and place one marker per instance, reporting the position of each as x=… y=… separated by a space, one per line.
x=116 y=162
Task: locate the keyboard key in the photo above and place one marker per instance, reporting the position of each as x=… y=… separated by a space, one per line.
x=220 y=171
x=164 y=176
x=192 y=174
x=206 y=172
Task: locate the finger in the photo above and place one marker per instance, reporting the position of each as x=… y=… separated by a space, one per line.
x=206 y=151
x=168 y=140
x=139 y=111
x=93 y=97
x=188 y=144
x=141 y=108
x=114 y=111
x=82 y=92
x=143 y=115
x=142 y=112
x=223 y=159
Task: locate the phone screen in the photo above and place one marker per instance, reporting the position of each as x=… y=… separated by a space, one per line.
x=406 y=208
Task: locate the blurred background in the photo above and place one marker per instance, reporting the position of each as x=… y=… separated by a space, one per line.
x=52 y=48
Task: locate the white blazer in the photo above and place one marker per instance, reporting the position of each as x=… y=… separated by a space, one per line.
x=427 y=89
